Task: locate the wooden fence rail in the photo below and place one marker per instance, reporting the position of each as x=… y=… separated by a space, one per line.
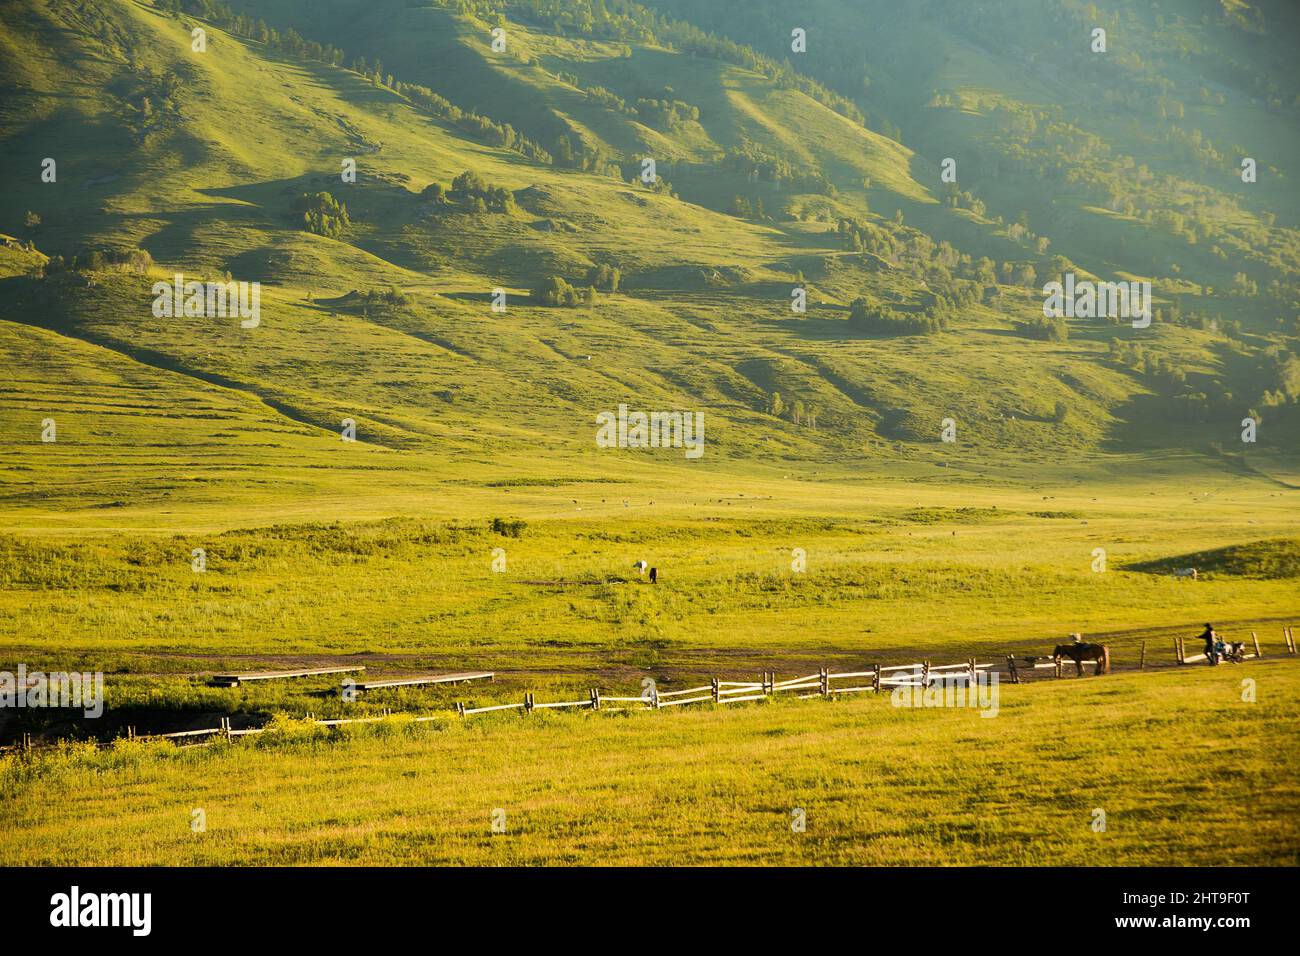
x=822 y=684
x=234 y=680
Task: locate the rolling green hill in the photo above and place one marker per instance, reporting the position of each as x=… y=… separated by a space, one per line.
x=482 y=169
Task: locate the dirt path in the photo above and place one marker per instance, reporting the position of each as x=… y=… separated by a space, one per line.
x=606 y=665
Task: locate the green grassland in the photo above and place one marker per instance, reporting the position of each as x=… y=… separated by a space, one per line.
x=823 y=432
x=1184 y=770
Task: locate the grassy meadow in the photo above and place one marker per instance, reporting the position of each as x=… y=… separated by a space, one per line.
x=1184 y=770
x=914 y=466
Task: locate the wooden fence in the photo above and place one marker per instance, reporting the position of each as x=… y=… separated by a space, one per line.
x=822 y=684
x=874 y=678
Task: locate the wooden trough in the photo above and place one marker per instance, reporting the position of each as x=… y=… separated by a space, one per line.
x=234 y=680
x=424 y=680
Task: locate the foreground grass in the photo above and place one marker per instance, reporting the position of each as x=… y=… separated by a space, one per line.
x=1186 y=772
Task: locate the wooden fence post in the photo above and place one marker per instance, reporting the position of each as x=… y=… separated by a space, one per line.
x=1142 y=657
x=460 y=708
x=595 y=698
x=1179 y=653
x=972 y=672
x=875 y=678
x=714 y=682
x=824 y=676
x=528 y=702
x=1289 y=636
x=1255 y=639
x=1058 y=667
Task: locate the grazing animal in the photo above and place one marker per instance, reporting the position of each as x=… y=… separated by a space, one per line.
x=1085 y=652
x=654 y=575
x=1186 y=573
x=640 y=567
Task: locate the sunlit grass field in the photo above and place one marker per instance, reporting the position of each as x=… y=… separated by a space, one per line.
x=785 y=564
x=474 y=524
x=1185 y=771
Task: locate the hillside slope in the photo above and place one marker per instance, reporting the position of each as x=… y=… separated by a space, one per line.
x=480 y=171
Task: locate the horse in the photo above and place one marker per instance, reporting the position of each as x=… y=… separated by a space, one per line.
x=1084 y=652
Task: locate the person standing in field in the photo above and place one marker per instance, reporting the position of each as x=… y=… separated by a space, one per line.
x=1211 y=641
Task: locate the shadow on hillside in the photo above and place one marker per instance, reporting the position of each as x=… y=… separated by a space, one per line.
x=1267 y=558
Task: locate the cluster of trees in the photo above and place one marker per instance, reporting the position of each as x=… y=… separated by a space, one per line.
x=759 y=165
x=477 y=125
x=797 y=412
x=151 y=96
x=964 y=199
x=322 y=214
x=289 y=42
x=1174 y=315
x=955 y=275
x=1281 y=378
x=626 y=21
x=1039 y=143
x=1147 y=361
x=599 y=94
x=604 y=278
x=136 y=261
x=1049 y=329
x=392 y=296
x=473 y=193
x=509 y=527
x=875 y=319
x=571 y=152
x=746 y=208
x=557 y=291
x=667 y=113
x=1274 y=380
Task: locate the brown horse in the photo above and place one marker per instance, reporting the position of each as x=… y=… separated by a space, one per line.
x=1085 y=652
